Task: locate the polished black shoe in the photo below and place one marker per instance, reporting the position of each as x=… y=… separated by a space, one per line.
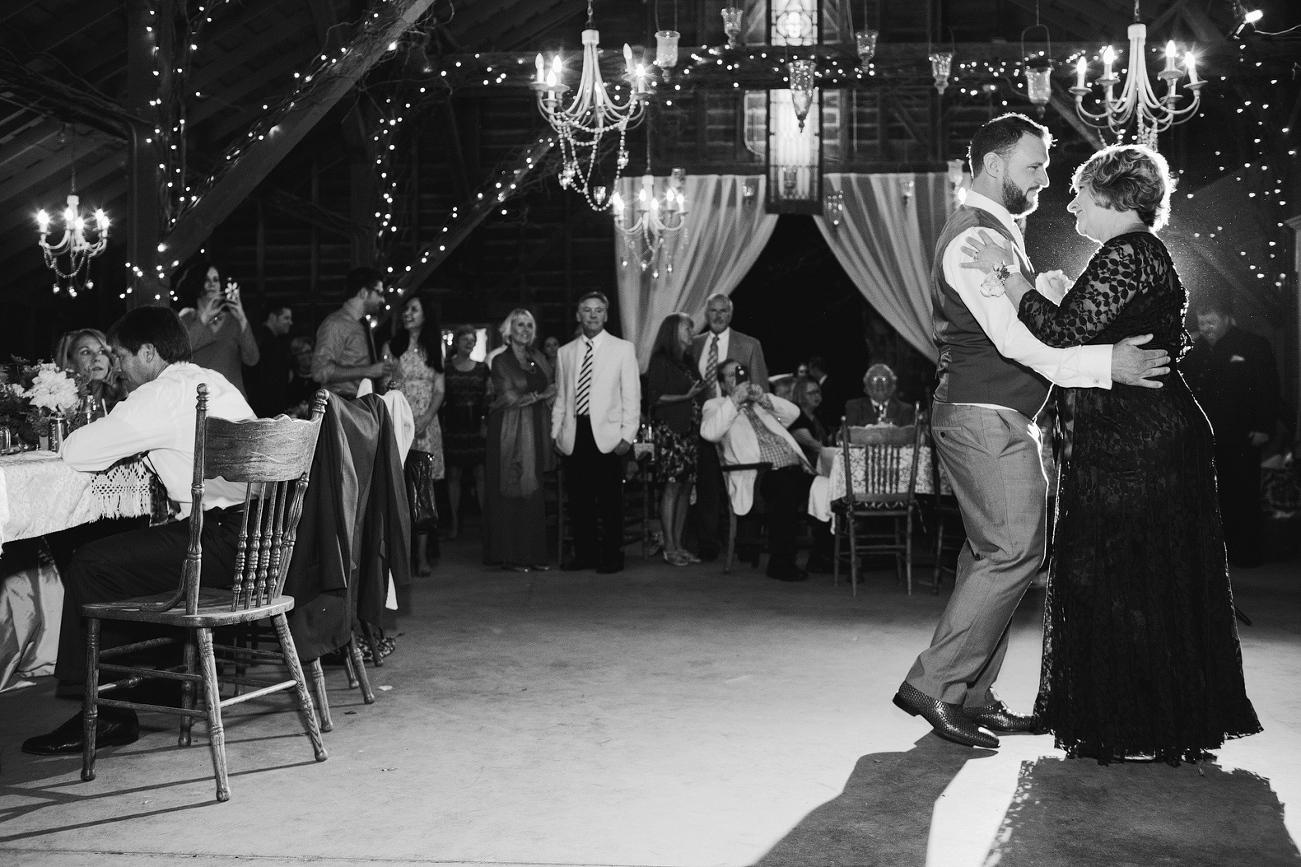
x=997 y=718
x=68 y=738
x=577 y=564
x=946 y=719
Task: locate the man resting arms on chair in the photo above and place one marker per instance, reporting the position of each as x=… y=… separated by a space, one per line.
x=751 y=427
x=157 y=418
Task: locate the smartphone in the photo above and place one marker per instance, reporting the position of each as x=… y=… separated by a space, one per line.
x=742 y=374
x=231 y=291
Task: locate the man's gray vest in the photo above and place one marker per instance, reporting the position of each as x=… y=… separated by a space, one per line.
x=970 y=369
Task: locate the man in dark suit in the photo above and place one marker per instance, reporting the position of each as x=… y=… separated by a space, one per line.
x=1233 y=375
x=880 y=406
x=267 y=382
x=710 y=349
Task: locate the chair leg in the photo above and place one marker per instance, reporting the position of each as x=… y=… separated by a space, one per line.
x=369 y=634
x=908 y=549
x=356 y=664
x=290 y=654
x=212 y=696
x=731 y=539
x=187 y=695
x=322 y=697
x=853 y=555
x=347 y=666
x=89 y=709
x=835 y=556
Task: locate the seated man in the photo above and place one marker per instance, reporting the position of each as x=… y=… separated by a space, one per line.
x=751 y=427
x=157 y=418
x=880 y=406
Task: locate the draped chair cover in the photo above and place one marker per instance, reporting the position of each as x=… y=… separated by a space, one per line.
x=724 y=234
x=886 y=241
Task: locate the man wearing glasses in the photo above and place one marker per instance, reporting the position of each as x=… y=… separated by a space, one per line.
x=345 y=348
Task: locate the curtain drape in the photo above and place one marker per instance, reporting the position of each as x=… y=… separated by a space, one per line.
x=886 y=241
x=724 y=234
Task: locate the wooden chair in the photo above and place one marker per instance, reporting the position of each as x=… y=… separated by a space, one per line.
x=274 y=456
x=944 y=508
x=888 y=490
x=757 y=508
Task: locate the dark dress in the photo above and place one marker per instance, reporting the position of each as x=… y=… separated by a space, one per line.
x=519 y=452
x=1141 y=655
x=465 y=404
x=676 y=426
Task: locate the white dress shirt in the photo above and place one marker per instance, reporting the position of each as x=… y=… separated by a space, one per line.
x=1073 y=367
x=724 y=340
x=158 y=419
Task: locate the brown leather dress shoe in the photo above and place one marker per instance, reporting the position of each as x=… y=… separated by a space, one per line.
x=997 y=718
x=69 y=739
x=946 y=719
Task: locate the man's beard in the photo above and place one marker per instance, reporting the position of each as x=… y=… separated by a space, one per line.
x=1017 y=201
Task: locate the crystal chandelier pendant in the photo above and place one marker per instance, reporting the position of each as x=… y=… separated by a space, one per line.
x=802 y=79
x=652 y=218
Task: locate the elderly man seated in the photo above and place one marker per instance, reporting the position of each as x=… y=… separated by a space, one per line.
x=880 y=406
x=751 y=428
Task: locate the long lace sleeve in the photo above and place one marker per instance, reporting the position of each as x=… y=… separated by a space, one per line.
x=1112 y=279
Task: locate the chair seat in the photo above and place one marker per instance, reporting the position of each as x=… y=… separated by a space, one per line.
x=213 y=611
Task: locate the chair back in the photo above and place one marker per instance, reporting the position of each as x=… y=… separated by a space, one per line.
x=889 y=460
x=274 y=457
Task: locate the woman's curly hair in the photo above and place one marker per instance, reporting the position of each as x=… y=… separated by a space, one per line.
x=1129 y=177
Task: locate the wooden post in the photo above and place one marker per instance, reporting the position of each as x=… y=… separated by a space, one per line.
x=143 y=223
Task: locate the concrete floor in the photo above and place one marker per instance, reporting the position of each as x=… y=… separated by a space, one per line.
x=662 y=716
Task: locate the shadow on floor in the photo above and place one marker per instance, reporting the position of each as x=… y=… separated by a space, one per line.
x=883 y=817
x=1075 y=812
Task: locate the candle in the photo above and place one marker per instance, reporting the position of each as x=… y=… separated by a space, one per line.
x=43 y=220
x=639 y=79
x=1190 y=63
x=1171 y=52
x=627 y=58
x=1081 y=69
x=1108 y=58
x=541 y=67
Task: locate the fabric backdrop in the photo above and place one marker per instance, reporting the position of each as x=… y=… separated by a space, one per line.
x=885 y=243
x=724 y=234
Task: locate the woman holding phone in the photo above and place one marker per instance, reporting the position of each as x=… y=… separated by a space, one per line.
x=220 y=337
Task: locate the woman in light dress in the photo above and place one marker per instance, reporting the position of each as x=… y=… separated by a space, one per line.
x=417 y=349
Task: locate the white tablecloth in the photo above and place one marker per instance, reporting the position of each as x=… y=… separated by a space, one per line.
x=830 y=484
x=41 y=494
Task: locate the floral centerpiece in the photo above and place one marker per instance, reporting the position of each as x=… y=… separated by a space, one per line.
x=31 y=393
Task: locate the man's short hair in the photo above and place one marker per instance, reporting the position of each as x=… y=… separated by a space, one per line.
x=726 y=365
x=817 y=362
x=599 y=296
x=710 y=300
x=362 y=278
x=1000 y=136
x=157 y=326
x=1215 y=302
x=880 y=368
x=276 y=310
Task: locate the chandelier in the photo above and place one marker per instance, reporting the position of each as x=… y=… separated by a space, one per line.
x=84 y=237
x=653 y=221
x=1138 y=100
x=591 y=114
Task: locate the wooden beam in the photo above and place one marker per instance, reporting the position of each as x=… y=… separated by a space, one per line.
x=250 y=167
x=538 y=25
x=311 y=213
x=279 y=72
x=63 y=102
x=899 y=110
x=460 y=175
x=145 y=181
x=1066 y=109
x=37 y=132
x=208 y=76
x=84 y=17
x=498 y=188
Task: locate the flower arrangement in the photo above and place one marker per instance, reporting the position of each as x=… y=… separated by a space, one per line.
x=53 y=390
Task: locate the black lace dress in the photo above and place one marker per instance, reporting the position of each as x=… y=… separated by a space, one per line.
x=1141 y=655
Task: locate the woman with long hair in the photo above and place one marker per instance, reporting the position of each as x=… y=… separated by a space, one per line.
x=465 y=417
x=84 y=354
x=214 y=319
x=807 y=429
x=417 y=352
x=672 y=384
x=519 y=451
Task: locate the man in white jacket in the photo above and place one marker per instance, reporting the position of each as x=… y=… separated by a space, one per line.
x=750 y=425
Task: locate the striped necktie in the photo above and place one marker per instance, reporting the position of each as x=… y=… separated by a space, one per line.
x=581 y=406
x=711 y=366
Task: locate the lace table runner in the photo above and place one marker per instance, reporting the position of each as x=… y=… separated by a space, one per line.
x=41 y=494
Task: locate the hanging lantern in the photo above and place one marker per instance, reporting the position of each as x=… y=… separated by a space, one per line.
x=866 y=42
x=1038 y=84
x=941 y=63
x=732 y=25
x=666 y=50
x=802 y=74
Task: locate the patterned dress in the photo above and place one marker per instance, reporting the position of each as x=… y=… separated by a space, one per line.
x=464 y=408
x=417 y=381
x=1141 y=656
